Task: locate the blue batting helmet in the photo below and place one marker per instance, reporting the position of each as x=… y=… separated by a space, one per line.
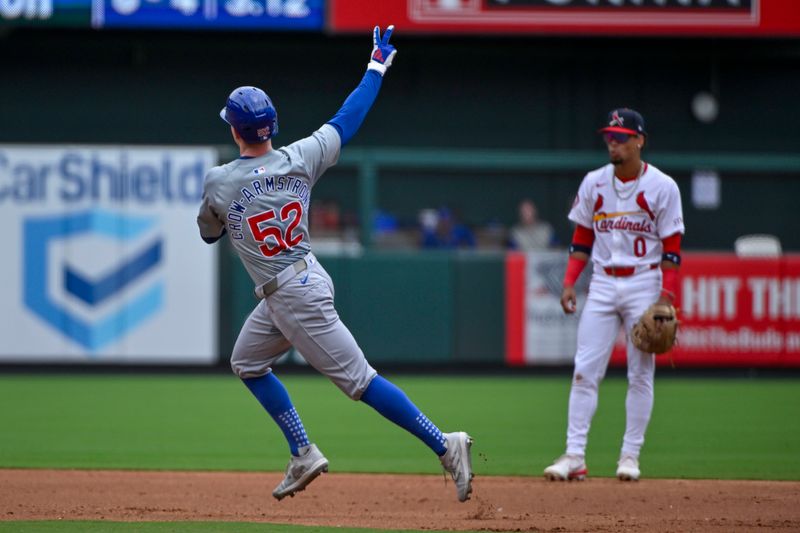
x=251 y=113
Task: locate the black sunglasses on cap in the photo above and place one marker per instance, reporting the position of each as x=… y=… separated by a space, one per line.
x=616 y=136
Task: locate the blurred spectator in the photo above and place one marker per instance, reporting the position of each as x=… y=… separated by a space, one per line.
x=325 y=216
x=331 y=216
x=493 y=235
x=530 y=233
x=441 y=229
x=390 y=233
x=385 y=222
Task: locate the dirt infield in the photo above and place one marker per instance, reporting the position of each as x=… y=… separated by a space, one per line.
x=405 y=501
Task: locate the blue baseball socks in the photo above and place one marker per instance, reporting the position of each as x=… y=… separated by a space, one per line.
x=391 y=402
x=272 y=395
x=382 y=395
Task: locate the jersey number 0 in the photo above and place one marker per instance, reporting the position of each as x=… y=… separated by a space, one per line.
x=283 y=238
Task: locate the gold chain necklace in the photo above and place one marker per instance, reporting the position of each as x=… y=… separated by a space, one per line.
x=633 y=188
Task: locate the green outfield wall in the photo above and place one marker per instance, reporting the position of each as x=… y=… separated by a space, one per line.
x=437 y=307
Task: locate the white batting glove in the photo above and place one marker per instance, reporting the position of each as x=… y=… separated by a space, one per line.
x=382 y=51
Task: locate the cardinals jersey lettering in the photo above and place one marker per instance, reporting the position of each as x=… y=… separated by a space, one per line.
x=629 y=219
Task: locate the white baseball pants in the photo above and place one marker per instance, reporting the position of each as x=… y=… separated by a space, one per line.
x=612 y=301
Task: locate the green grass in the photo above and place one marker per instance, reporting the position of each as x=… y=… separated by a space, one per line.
x=66 y=526
x=701 y=428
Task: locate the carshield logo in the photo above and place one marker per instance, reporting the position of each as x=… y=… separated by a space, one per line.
x=102 y=312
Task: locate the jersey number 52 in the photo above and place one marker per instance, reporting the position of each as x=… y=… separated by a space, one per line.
x=283 y=238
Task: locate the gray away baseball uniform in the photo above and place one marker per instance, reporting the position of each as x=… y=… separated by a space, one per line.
x=263 y=203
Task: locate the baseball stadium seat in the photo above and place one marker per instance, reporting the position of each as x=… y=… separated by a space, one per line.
x=757 y=245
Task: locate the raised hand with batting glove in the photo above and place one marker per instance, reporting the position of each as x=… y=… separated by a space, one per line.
x=382 y=52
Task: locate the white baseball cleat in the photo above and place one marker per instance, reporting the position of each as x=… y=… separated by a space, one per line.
x=628 y=468
x=458 y=462
x=567 y=467
x=301 y=471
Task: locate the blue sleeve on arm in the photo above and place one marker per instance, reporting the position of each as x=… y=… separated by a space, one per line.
x=352 y=113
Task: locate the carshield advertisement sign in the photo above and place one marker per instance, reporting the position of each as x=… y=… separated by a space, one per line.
x=104 y=261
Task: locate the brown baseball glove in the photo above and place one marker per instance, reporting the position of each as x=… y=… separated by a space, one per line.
x=656 y=330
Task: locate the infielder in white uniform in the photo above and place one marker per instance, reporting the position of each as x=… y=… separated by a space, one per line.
x=629 y=219
x=261 y=201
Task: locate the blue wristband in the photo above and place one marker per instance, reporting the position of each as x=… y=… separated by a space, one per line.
x=580 y=248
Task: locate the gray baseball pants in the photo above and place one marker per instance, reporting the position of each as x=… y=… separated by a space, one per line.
x=301 y=314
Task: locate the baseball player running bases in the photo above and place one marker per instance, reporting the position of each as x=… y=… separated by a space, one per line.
x=261 y=200
x=629 y=219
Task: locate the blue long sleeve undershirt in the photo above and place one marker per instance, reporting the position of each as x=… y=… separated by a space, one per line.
x=353 y=111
